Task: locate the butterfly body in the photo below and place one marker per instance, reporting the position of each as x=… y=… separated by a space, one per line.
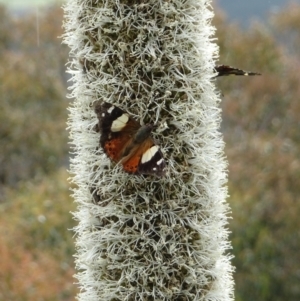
x=126 y=142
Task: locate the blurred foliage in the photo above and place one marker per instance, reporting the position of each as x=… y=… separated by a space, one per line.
x=33 y=96
x=261 y=130
x=36 y=246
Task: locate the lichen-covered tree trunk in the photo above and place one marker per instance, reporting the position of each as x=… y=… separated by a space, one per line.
x=145 y=237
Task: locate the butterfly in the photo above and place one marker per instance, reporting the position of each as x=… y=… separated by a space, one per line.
x=126 y=142
x=224 y=70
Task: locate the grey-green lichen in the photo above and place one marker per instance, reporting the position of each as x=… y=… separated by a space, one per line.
x=148 y=238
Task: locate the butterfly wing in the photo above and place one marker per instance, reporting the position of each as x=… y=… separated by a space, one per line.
x=146 y=159
x=117 y=129
x=125 y=141
x=224 y=70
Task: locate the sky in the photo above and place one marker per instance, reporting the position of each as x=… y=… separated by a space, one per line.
x=243 y=11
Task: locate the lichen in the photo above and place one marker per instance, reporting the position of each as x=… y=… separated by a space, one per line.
x=143 y=237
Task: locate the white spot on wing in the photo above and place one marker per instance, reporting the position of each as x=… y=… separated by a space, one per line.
x=149 y=154
x=119 y=123
x=103 y=114
x=110 y=109
x=160 y=161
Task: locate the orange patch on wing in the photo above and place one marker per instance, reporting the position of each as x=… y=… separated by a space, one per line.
x=114 y=148
x=132 y=163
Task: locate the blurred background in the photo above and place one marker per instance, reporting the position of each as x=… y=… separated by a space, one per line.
x=261 y=127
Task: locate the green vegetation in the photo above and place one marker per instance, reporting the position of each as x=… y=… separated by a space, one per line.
x=36 y=245
x=36 y=242
x=261 y=130
x=33 y=103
